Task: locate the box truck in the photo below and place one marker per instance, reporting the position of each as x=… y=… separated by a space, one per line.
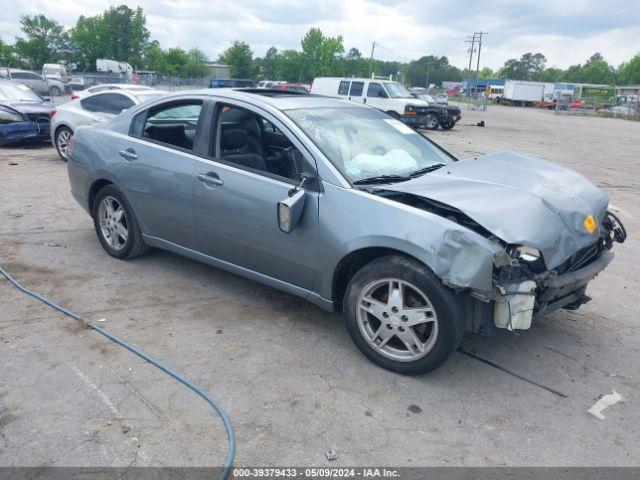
x=522 y=92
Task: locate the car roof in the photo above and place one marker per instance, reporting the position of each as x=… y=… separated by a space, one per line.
x=280 y=99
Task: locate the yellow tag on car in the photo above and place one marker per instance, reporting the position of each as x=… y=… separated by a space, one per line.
x=590 y=224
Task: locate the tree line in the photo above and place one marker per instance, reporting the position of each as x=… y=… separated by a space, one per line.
x=121 y=33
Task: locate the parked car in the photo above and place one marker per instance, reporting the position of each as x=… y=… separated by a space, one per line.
x=230 y=83
x=77 y=84
x=96 y=107
x=269 y=83
x=108 y=86
x=31 y=79
x=442 y=99
x=345 y=206
x=294 y=87
x=447 y=116
x=388 y=96
x=24 y=115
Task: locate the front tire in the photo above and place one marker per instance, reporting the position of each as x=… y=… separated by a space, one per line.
x=401 y=317
x=116 y=224
x=431 y=122
x=55 y=91
x=63 y=141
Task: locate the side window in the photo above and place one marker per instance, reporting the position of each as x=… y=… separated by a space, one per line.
x=33 y=76
x=375 y=90
x=356 y=89
x=248 y=140
x=173 y=124
x=19 y=75
x=91 y=104
x=343 y=88
x=115 y=103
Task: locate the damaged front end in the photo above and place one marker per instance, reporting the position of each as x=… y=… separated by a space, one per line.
x=524 y=289
x=522 y=286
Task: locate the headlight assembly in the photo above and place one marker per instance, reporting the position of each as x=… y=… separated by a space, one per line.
x=527 y=254
x=9 y=116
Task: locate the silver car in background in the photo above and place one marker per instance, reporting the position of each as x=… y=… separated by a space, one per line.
x=347 y=207
x=96 y=107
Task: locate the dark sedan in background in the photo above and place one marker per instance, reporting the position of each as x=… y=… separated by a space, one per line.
x=24 y=115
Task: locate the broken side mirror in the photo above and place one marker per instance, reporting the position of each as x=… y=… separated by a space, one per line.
x=290 y=209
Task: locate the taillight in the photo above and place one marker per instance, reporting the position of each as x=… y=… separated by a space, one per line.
x=53 y=113
x=74 y=95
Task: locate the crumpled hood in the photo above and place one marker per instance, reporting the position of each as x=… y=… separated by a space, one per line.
x=521 y=200
x=31 y=107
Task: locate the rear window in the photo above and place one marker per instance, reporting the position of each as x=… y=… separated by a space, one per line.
x=343 y=88
x=356 y=89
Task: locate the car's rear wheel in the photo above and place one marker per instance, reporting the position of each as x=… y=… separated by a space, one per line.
x=116 y=224
x=447 y=125
x=431 y=122
x=401 y=316
x=54 y=91
x=63 y=141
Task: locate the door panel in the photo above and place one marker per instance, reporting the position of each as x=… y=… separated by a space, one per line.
x=236 y=221
x=159 y=185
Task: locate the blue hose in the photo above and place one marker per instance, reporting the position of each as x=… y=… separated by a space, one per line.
x=151 y=360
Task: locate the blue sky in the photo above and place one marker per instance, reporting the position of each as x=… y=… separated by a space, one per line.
x=565 y=32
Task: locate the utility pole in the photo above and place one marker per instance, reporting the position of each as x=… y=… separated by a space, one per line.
x=479 y=49
x=471 y=50
x=373 y=47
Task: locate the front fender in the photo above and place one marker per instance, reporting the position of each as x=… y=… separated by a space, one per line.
x=352 y=220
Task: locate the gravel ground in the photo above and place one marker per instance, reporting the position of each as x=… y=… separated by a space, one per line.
x=286 y=372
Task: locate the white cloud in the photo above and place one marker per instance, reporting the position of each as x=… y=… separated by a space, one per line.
x=403 y=29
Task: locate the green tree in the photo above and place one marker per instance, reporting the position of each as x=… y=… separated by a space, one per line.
x=289 y=66
x=119 y=33
x=42 y=42
x=195 y=66
x=268 y=64
x=175 y=61
x=321 y=55
x=430 y=69
x=239 y=57
x=597 y=70
x=629 y=72
x=355 y=65
x=6 y=55
x=528 y=67
x=550 y=75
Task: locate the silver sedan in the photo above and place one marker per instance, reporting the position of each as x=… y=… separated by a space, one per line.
x=345 y=206
x=93 y=108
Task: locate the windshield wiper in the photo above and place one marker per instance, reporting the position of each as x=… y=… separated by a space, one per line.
x=381 y=179
x=428 y=169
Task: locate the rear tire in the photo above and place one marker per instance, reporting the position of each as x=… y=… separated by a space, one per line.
x=62 y=138
x=116 y=224
x=447 y=125
x=401 y=317
x=54 y=91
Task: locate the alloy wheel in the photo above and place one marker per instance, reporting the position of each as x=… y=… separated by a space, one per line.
x=113 y=223
x=64 y=139
x=397 y=319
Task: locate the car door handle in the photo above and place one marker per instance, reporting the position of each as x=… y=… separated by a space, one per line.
x=210 y=179
x=128 y=154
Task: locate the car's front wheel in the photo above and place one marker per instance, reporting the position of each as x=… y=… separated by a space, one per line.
x=63 y=141
x=55 y=91
x=116 y=224
x=431 y=122
x=401 y=316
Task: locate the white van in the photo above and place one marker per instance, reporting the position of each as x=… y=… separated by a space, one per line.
x=388 y=96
